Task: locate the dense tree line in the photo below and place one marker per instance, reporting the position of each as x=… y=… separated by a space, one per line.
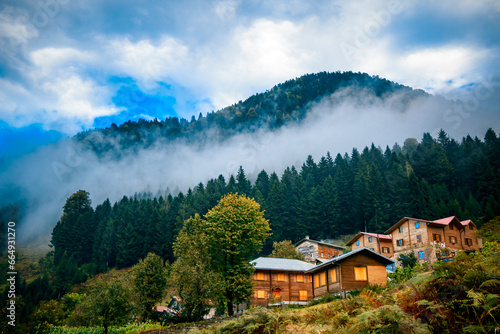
x=368 y=190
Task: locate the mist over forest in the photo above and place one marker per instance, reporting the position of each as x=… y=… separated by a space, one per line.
x=310 y=115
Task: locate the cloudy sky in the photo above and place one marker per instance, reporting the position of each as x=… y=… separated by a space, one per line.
x=67 y=66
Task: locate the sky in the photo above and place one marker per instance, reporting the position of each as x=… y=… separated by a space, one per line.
x=69 y=66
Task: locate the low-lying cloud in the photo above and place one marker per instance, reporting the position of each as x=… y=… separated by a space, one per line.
x=42 y=181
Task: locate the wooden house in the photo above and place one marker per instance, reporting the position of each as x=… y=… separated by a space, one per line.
x=313 y=249
x=354 y=270
x=281 y=281
x=380 y=243
x=433 y=240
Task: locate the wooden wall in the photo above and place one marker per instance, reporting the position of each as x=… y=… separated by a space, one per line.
x=290 y=288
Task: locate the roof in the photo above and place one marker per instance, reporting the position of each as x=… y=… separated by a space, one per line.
x=270 y=263
x=467 y=222
x=383 y=259
x=387 y=237
x=395 y=226
x=318 y=242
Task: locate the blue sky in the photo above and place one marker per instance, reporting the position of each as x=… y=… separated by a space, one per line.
x=68 y=66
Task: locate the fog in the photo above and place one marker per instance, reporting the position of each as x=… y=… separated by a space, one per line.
x=42 y=180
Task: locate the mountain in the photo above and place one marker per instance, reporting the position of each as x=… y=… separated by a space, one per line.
x=285 y=103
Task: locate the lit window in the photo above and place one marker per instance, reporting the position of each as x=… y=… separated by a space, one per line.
x=419 y=238
x=316 y=281
x=303 y=295
x=421 y=255
x=360 y=273
x=322 y=279
x=260 y=276
x=333 y=275
x=280 y=277
x=370 y=239
x=401 y=229
x=300 y=278
x=261 y=294
x=357 y=243
x=417 y=225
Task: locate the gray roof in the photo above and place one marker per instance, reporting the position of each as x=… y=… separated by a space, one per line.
x=343 y=256
x=318 y=242
x=269 y=263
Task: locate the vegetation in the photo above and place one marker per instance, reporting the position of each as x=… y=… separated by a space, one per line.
x=286 y=250
x=462 y=296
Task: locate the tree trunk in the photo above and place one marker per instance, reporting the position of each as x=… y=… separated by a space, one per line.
x=229 y=295
x=105 y=327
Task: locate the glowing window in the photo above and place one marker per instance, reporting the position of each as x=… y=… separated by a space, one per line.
x=261 y=294
x=280 y=277
x=260 y=276
x=360 y=274
x=300 y=278
x=303 y=295
x=333 y=275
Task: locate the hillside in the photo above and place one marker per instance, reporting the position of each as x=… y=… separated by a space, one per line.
x=284 y=103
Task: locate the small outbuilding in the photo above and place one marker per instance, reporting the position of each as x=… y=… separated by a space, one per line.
x=354 y=270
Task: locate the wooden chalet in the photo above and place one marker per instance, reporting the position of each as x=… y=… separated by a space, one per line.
x=434 y=240
x=313 y=249
x=354 y=270
x=281 y=281
x=380 y=243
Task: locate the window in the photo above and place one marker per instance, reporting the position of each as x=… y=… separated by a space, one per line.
x=417 y=225
x=471 y=227
x=321 y=246
x=370 y=239
x=322 y=255
x=302 y=295
x=421 y=255
x=360 y=273
x=385 y=249
x=400 y=242
x=419 y=238
x=371 y=248
x=333 y=275
x=357 y=242
x=451 y=226
x=453 y=240
x=322 y=279
x=329 y=256
x=401 y=229
x=280 y=277
x=436 y=237
x=468 y=241
x=300 y=278
x=316 y=281
x=261 y=294
x=260 y=276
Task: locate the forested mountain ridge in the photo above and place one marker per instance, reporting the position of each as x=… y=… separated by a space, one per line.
x=287 y=102
x=371 y=189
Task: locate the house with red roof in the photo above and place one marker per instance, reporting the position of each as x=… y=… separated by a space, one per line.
x=434 y=240
x=379 y=243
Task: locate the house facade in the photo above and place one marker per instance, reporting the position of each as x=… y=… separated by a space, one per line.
x=312 y=249
x=379 y=243
x=354 y=270
x=433 y=240
x=282 y=281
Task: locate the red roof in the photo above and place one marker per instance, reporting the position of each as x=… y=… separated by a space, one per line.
x=380 y=236
x=445 y=221
x=466 y=222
